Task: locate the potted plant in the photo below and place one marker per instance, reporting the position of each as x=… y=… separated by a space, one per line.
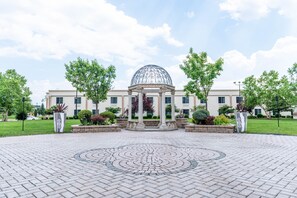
x=60 y=117
x=122 y=120
x=181 y=120
x=241 y=117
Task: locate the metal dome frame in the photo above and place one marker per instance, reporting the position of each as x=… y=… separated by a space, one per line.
x=151 y=74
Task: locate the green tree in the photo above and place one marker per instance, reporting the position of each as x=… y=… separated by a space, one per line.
x=293 y=82
x=12 y=89
x=201 y=74
x=42 y=109
x=262 y=91
x=92 y=78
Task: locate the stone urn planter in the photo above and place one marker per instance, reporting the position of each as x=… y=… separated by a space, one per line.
x=181 y=122
x=59 y=118
x=241 y=121
x=59 y=122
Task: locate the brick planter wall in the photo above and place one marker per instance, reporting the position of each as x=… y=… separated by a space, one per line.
x=95 y=128
x=122 y=123
x=210 y=128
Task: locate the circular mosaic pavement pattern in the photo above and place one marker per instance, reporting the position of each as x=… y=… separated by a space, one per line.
x=149 y=159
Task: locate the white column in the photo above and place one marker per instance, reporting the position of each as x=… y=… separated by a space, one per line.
x=160 y=108
x=140 y=107
x=163 y=115
x=140 y=124
x=172 y=106
x=130 y=106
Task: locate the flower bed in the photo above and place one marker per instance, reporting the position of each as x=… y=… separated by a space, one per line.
x=95 y=128
x=210 y=128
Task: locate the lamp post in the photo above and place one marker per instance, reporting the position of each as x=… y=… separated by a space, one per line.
x=23 y=101
x=238 y=84
x=277 y=105
x=76 y=104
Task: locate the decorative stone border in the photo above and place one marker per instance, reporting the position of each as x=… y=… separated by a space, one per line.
x=209 y=128
x=151 y=159
x=95 y=128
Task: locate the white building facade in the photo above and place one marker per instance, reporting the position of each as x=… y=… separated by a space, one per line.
x=119 y=98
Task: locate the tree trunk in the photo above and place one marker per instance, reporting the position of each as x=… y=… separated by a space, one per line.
x=97 y=110
x=267 y=113
x=206 y=105
x=5 y=116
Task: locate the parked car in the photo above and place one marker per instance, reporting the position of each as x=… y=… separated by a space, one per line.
x=32 y=118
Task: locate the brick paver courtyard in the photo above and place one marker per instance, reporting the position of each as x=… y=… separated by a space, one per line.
x=148 y=164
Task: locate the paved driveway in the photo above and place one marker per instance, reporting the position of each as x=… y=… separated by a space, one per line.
x=148 y=164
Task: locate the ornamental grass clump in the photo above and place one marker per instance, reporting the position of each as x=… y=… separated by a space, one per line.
x=221 y=120
x=200 y=116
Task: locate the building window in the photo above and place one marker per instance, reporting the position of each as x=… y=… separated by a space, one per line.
x=151 y=99
x=167 y=100
x=59 y=100
x=239 y=99
x=185 y=100
x=93 y=111
x=186 y=111
x=113 y=100
x=77 y=100
x=202 y=101
x=258 y=111
x=221 y=100
x=76 y=113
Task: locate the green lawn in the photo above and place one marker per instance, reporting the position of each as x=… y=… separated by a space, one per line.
x=260 y=126
x=14 y=128
x=287 y=126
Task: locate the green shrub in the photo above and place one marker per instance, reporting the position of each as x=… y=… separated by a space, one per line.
x=251 y=117
x=149 y=116
x=114 y=110
x=260 y=116
x=84 y=117
x=221 y=120
x=21 y=115
x=199 y=116
x=109 y=115
x=168 y=116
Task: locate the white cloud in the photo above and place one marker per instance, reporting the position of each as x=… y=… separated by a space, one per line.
x=238 y=66
x=280 y=57
x=54 y=29
x=190 y=14
x=255 y=9
x=40 y=87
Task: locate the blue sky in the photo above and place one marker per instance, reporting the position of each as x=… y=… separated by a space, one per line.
x=38 y=37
